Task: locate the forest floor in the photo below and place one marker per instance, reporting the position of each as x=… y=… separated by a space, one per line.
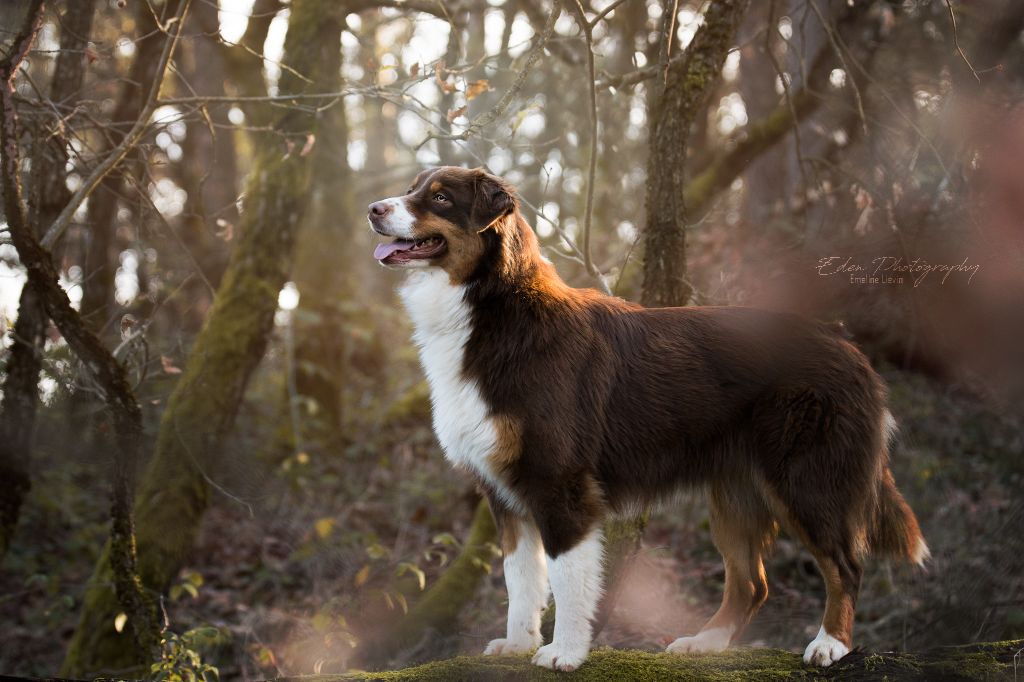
x=304 y=554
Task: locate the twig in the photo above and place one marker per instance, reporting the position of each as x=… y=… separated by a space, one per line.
x=173 y=27
x=495 y=113
x=588 y=211
x=174 y=235
x=605 y=12
x=956 y=41
x=842 y=60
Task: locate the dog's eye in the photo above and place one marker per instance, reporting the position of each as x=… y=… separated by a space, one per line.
x=440 y=198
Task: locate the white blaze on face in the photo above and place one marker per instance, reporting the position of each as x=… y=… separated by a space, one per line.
x=399 y=222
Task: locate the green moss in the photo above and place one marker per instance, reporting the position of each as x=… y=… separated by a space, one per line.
x=975 y=662
x=606 y=665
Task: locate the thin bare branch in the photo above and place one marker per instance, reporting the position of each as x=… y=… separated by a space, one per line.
x=486 y=119
x=956 y=41
x=173 y=28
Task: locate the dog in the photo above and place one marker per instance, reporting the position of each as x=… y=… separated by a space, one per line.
x=570 y=406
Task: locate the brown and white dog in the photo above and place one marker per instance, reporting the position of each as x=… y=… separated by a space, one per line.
x=570 y=406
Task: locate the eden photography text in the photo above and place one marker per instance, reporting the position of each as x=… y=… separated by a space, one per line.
x=893 y=269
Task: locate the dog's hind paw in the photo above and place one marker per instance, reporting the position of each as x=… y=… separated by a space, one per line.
x=824 y=650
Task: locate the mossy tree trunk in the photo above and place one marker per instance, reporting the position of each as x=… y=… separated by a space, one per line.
x=437 y=610
x=683 y=97
x=174 y=492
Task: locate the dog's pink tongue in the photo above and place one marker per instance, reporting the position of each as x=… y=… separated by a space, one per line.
x=387 y=248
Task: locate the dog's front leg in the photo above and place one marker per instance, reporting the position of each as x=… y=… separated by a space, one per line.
x=526 y=578
x=576 y=584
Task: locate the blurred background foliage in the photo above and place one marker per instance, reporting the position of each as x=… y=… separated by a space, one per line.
x=847 y=130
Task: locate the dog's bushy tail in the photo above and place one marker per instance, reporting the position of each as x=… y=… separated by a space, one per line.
x=894 y=531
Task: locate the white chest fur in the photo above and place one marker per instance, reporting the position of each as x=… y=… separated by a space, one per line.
x=462 y=421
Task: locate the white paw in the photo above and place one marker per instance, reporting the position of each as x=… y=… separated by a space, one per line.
x=509 y=647
x=824 y=650
x=559 y=657
x=705 y=641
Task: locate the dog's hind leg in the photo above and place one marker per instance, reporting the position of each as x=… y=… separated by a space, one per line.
x=842 y=573
x=831 y=525
x=743 y=530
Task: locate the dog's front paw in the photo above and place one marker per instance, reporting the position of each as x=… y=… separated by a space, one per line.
x=509 y=647
x=560 y=657
x=824 y=650
x=705 y=641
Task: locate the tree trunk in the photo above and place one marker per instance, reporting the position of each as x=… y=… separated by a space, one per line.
x=687 y=86
x=200 y=412
x=48 y=194
x=323 y=276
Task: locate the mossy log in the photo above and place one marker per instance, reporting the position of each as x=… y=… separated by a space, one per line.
x=991 y=661
x=988 y=661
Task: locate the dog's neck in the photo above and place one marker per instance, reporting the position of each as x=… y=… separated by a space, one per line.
x=512 y=263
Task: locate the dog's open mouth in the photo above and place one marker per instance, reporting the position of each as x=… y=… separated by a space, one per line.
x=405 y=250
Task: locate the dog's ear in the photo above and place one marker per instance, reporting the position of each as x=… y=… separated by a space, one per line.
x=494 y=199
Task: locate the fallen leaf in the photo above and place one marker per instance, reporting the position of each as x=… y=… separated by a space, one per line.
x=168 y=365
x=414 y=70
x=308 y=147
x=119 y=621
x=362 y=576
x=324 y=527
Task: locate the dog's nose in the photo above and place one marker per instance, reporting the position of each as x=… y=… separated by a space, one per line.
x=379 y=209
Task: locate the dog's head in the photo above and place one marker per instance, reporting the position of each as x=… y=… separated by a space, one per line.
x=442 y=219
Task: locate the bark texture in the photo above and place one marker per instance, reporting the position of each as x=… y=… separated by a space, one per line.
x=687 y=85
x=174 y=491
